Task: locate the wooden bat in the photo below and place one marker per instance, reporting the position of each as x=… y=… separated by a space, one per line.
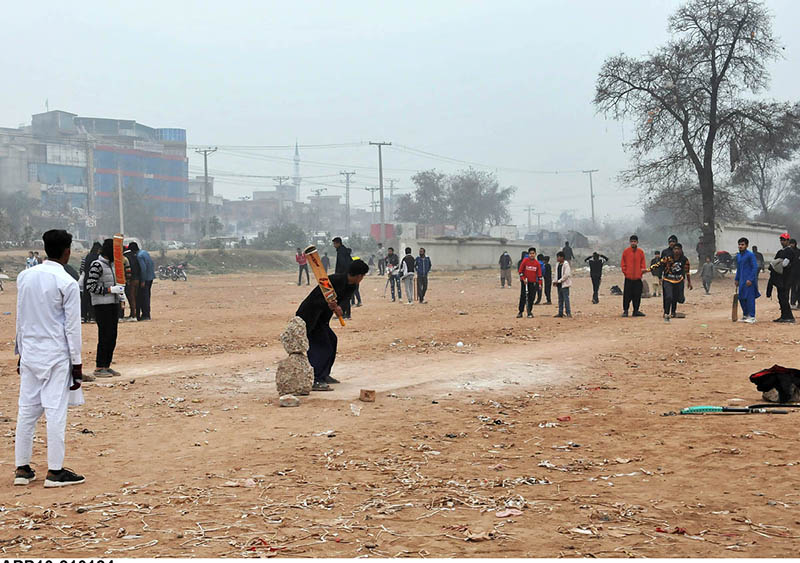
x=322 y=277
x=119 y=261
x=735 y=307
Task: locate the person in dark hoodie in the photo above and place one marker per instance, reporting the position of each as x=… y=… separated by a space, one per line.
x=343 y=261
x=87 y=311
x=132 y=288
x=596 y=262
x=317 y=313
x=780 y=277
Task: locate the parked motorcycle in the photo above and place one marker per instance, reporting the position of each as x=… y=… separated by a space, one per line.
x=724 y=262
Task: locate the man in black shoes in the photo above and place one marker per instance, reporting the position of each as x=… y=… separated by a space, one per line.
x=676 y=271
x=530 y=274
x=596 y=262
x=780 y=277
x=317 y=313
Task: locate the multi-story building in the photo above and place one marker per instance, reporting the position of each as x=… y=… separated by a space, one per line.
x=78 y=166
x=199 y=208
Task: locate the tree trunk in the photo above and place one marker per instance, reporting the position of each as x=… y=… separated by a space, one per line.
x=709 y=215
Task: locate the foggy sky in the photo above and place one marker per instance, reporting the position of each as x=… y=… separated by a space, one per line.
x=506 y=84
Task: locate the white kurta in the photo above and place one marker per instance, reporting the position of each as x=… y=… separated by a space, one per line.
x=48 y=335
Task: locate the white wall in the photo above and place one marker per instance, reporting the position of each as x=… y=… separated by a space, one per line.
x=464 y=253
x=764 y=237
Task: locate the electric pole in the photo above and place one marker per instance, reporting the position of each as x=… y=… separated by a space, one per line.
x=372 y=203
x=591 y=191
x=380 y=145
x=205 y=153
x=347 y=201
x=281 y=180
x=392 y=182
x=539 y=219
x=317 y=192
x=529 y=209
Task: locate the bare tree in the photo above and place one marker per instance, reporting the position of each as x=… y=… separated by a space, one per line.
x=688 y=97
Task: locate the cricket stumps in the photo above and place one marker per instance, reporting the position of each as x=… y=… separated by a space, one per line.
x=294 y=375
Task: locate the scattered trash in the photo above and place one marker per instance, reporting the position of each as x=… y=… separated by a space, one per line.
x=509 y=512
x=460 y=344
x=479 y=536
x=564 y=418
x=327 y=433
x=289 y=401
x=355 y=409
x=367 y=396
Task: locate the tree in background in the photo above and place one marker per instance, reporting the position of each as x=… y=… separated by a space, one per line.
x=690 y=98
x=138 y=211
x=471 y=199
x=283 y=236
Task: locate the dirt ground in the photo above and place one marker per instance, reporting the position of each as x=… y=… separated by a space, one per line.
x=559 y=420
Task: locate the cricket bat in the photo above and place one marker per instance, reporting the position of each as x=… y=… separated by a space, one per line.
x=322 y=277
x=735 y=307
x=743 y=410
x=119 y=262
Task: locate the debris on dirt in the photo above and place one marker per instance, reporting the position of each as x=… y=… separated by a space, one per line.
x=289 y=401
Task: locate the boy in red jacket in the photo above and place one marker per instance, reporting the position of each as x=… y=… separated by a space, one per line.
x=530 y=274
x=633 y=265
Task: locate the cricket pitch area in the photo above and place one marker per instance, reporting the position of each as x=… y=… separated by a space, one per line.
x=539 y=437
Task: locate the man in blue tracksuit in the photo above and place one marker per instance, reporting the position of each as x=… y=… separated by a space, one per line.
x=747 y=281
x=422 y=265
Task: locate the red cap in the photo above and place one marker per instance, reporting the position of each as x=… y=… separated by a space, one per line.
x=786 y=236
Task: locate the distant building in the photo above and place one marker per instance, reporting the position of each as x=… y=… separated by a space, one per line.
x=197 y=204
x=75 y=165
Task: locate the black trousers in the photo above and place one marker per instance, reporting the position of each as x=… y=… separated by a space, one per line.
x=322 y=344
x=300 y=269
x=395 y=280
x=795 y=293
x=547 y=285
x=87 y=310
x=783 y=300
x=356 y=298
x=381 y=266
x=632 y=293
x=673 y=294
x=143 y=300
x=596 y=288
x=107 y=321
x=422 y=287
x=526 y=298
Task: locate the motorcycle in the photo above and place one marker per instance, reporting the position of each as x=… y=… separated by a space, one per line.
x=724 y=262
x=164 y=272
x=179 y=272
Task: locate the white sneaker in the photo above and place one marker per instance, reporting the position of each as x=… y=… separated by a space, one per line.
x=750 y=320
x=744 y=319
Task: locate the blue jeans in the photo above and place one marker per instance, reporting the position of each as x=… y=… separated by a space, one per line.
x=395 y=280
x=563 y=301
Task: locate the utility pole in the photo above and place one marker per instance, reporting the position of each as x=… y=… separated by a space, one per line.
x=205 y=152
x=529 y=209
x=121 y=212
x=591 y=191
x=380 y=145
x=282 y=179
x=347 y=201
x=317 y=192
x=392 y=182
x=372 y=202
x=539 y=219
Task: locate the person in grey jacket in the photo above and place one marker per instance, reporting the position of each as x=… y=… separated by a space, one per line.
x=106 y=295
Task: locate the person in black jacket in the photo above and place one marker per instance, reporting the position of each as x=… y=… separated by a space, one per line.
x=132 y=288
x=782 y=280
x=794 y=295
x=547 y=279
x=317 y=313
x=343 y=260
x=505 y=270
x=596 y=262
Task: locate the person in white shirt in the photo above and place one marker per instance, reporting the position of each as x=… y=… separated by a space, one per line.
x=563 y=281
x=48 y=342
x=31 y=261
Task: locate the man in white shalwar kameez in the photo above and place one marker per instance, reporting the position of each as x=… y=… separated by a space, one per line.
x=49 y=346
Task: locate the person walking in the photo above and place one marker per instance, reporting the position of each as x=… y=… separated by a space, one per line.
x=393 y=271
x=107 y=295
x=569 y=256
x=407 y=267
x=794 y=292
x=48 y=343
x=671 y=242
x=676 y=269
x=381 y=254
x=343 y=260
x=656 y=270
x=31 y=261
x=563 y=283
x=302 y=266
x=326 y=262
x=746 y=281
x=707 y=274
x=317 y=312
x=759 y=259
x=147 y=271
x=422 y=265
x=547 y=273
x=633 y=265
x=132 y=287
x=596 y=262
x=530 y=275
x=505 y=270
x=780 y=277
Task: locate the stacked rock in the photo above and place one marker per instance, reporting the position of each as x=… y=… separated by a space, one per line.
x=294 y=375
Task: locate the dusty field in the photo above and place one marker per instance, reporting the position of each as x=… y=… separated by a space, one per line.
x=188 y=454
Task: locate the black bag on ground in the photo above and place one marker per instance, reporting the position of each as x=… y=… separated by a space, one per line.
x=784 y=381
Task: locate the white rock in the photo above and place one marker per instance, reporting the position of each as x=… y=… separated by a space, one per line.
x=289 y=401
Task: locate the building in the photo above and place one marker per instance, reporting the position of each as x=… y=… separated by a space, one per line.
x=77 y=167
x=199 y=208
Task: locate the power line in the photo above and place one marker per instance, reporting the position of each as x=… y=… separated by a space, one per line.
x=205 y=152
x=591 y=190
x=347 y=200
x=380 y=145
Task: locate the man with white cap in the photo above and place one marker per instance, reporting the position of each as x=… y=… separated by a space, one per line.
x=48 y=343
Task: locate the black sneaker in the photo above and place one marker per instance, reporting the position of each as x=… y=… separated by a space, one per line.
x=62 y=478
x=330 y=380
x=24 y=475
x=624 y=313
x=321 y=386
x=558 y=316
x=519 y=315
x=638 y=314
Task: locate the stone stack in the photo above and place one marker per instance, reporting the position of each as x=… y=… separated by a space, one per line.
x=295 y=375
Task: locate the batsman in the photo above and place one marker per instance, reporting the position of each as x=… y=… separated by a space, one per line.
x=317 y=311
